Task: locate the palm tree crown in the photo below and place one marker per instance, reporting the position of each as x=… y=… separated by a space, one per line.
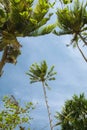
x=40 y=73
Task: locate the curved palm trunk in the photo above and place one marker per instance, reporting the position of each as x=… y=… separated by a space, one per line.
x=3 y=60
x=48 y=108
x=82 y=53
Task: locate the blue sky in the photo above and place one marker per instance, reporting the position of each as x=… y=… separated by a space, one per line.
x=71 y=75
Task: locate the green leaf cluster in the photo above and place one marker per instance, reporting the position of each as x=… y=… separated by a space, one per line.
x=21 y=18
x=26 y=17
x=67 y=1
x=13 y=114
x=72 y=19
x=40 y=73
x=74 y=114
x=2 y=17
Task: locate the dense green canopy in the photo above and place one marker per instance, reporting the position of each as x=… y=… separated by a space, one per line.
x=72 y=20
x=13 y=114
x=21 y=18
x=74 y=114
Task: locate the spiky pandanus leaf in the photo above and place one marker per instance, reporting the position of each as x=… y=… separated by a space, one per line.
x=72 y=21
x=21 y=18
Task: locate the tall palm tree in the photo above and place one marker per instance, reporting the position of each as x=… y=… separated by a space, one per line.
x=20 y=18
x=72 y=20
x=40 y=73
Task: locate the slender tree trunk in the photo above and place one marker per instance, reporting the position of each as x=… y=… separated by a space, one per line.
x=82 y=53
x=3 y=60
x=79 y=47
x=48 y=108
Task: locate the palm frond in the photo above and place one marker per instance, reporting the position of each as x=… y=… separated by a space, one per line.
x=59 y=33
x=40 y=73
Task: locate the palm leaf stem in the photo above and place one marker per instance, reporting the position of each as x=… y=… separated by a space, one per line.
x=82 y=39
x=48 y=108
x=58 y=123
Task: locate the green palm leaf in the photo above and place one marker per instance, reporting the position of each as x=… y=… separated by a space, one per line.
x=72 y=20
x=40 y=73
x=71 y=116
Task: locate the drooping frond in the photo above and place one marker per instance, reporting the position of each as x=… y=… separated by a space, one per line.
x=43 y=30
x=59 y=33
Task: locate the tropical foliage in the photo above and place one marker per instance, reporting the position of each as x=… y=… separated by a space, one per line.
x=72 y=20
x=65 y=1
x=40 y=73
x=13 y=114
x=74 y=114
x=20 y=18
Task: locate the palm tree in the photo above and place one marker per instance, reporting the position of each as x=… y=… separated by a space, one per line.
x=21 y=18
x=74 y=114
x=72 y=20
x=40 y=73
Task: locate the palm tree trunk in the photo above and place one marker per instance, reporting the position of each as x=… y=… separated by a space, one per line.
x=48 y=108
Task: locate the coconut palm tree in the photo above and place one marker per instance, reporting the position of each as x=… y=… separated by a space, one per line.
x=21 y=18
x=72 y=20
x=40 y=73
x=74 y=114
